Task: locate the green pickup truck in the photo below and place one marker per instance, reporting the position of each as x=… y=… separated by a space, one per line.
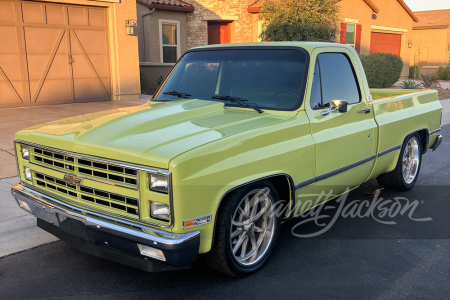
x=232 y=132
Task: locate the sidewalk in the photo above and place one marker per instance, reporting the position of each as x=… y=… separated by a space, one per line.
x=18 y=229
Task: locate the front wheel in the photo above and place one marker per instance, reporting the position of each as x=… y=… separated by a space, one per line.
x=247 y=230
x=405 y=174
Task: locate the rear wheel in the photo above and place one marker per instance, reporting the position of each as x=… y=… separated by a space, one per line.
x=246 y=230
x=405 y=174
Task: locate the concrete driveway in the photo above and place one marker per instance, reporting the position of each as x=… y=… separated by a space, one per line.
x=18 y=229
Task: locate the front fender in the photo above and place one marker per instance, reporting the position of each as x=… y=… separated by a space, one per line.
x=202 y=176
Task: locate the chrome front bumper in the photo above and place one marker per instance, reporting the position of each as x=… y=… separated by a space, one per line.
x=80 y=228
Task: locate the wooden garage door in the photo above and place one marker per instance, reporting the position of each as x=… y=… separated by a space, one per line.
x=385 y=42
x=52 y=53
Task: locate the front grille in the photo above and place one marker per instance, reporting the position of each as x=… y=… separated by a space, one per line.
x=87 y=168
x=89 y=196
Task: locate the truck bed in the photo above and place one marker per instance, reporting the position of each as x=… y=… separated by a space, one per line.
x=382 y=94
x=399 y=113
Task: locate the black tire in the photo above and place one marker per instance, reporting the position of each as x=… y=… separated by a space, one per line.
x=220 y=257
x=394 y=180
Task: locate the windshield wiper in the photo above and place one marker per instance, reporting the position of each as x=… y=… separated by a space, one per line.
x=175 y=93
x=240 y=101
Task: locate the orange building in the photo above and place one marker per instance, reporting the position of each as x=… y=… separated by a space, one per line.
x=174 y=26
x=368 y=26
x=431 y=40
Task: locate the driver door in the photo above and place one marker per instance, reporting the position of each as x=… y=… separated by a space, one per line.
x=345 y=142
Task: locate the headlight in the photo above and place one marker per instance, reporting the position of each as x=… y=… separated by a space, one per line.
x=159 y=183
x=28 y=174
x=25 y=152
x=159 y=211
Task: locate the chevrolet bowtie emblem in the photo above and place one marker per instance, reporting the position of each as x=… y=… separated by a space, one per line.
x=72 y=179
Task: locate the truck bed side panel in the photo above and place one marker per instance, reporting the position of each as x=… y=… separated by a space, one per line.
x=399 y=116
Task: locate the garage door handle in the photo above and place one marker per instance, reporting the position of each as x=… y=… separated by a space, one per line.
x=71 y=60
x=366 y=111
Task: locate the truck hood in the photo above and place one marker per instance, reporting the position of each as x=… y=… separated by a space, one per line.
x=150 y=134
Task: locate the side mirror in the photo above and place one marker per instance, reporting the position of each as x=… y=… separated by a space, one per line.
x=339 y=105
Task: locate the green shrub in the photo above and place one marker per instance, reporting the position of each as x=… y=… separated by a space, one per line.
x=443 y=73
x=160 y=79
x=382 y=69
x=429 y=80
x=410 y=84
x=300 y=20
x=414 y=72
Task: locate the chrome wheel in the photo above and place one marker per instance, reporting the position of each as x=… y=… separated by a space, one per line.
x=410 y=160
x=252 y=228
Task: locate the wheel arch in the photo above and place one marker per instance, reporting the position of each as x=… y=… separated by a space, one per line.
x=424 y=137
x=283 y=183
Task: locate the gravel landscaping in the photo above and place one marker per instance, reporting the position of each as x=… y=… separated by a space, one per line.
x=444 y=93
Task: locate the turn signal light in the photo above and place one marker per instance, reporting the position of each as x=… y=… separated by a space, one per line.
x=197 y=221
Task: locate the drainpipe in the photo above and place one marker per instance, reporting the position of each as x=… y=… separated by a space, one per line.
x=143 y=29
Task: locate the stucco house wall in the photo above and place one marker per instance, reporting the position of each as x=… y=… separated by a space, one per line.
x=431 y=40
x=395 y=17
x=148 y=32
x=359 y=11
x=384 y=16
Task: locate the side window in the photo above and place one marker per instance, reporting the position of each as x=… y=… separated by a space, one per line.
x=316 y=91
x=338 y=79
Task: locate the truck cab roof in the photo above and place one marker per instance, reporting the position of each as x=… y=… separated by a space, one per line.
x=309 y=46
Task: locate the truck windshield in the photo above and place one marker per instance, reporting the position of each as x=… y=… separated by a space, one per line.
x=268 y=79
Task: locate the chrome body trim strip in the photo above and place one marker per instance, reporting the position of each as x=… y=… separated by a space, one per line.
x=305 y=183
x=435 y=131
x=41 y=208
x=322 y=177
x=387 y=151
x=345 y=168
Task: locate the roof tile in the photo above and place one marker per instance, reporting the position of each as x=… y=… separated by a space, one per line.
x=433 y=18
x=178 y=3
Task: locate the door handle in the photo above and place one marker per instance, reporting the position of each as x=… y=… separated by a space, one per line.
x=366 y=111
x=71 y=60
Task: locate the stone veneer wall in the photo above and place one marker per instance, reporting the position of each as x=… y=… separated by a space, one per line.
x=197 y=28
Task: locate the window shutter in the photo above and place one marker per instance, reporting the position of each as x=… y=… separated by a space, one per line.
x=358 y=37
x=343 y=33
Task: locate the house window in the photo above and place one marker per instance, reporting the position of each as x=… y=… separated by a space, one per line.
x=169 y=40
x=350 y=35
x=260 y=30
